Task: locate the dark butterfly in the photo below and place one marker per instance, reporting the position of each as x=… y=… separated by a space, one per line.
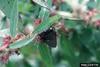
x=49 y=37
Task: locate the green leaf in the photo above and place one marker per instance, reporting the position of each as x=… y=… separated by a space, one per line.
x=98 y=4
x=41 y=3
x=70 y=24
x=29 y=49
x=91 y=4
x=3 y=23
x=66 y=47
x=49 y=2
x=45 y=25
x=9 y=7
x=98 y=55
x=85 y=54
x=44 y=14
x=4 y=32
x=74 y=24
x=10 y=64
x=97 y=36
x=24 y=7
x=80 y=1
x=63 y=8
x=86 y=35
x=45 y=54
x=21 y=43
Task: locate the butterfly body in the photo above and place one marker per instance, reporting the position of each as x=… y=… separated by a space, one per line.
x=49 y=37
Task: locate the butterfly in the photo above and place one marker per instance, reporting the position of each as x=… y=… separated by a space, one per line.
x=49 y=37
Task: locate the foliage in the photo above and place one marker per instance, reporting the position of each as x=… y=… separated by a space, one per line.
x=76 y=22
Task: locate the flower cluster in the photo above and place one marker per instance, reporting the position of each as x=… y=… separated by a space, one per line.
x=5 y=52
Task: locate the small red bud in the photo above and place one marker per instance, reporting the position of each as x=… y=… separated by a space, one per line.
x=37 y=22
x=4 y=58
x=6 y=43
x=97 y=23
x=54 y=1
x=90 y=13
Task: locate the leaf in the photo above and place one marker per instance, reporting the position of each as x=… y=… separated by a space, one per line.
x=66 y=47
x=77 y=25
x=98 y=4
x=9 y=7
x=10 y=64
x=70 y=24
x=24 y=7
x=45 y=25
x=85 y=36
x=44 y=14
x=91 y=4
x=95 y=45
x=3 y=23
x=41 y=3
x=4 y=32
x=29 y=49
x=97 y=36
x=21 y=43
x=49 y=2
x=84 y=55
x=67 y=8
x=45 y=54
x=65 y=15
x=98 y=55
x=80 y=1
